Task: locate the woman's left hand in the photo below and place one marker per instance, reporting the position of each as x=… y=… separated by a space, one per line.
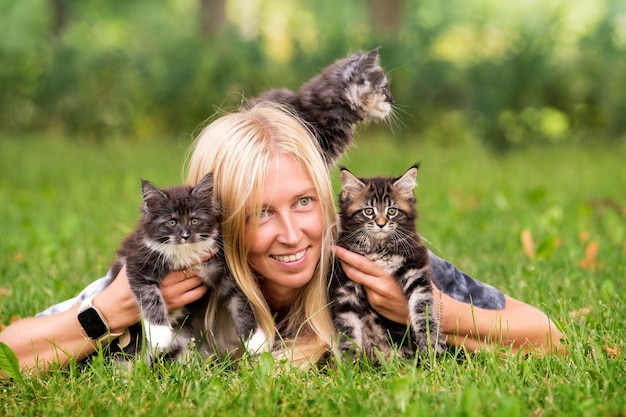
x=383 y=292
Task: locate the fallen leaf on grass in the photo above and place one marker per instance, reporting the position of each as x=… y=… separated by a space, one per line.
x=589 y=260
x=527 y=243
x=612 y=352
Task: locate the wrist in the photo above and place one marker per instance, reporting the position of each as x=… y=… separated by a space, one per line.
x=120 y=314
x=94 y=323
x=119 y=305
x=448 y=324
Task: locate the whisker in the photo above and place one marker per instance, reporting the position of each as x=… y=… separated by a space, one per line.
x=394 y=121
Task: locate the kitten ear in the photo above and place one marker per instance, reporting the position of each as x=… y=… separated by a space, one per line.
x=353 y=65
x=150 y=192
x=371 y=58
x=349 y=183
x=351 y=68
x=204 y=187
x=408 y=181
x=358 y=63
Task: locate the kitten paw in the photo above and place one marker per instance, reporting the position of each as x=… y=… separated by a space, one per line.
x=257 y=342
x=159 y=337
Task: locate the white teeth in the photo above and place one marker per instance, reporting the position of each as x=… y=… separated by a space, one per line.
x=289 y=258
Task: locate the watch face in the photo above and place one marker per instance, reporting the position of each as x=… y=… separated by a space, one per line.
x=92 y=323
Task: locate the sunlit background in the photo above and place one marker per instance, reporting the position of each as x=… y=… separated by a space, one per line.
x=506 y=74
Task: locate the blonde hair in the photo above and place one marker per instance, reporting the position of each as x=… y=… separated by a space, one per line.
x=237 y=148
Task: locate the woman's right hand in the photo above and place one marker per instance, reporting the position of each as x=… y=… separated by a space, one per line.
x=181 y=288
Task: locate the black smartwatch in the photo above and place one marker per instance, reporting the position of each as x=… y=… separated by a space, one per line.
x=93 y=322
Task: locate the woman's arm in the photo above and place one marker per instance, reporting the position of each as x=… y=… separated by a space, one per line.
x=517 y=325
x=39 y=341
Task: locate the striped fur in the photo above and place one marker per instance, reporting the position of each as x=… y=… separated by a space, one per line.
x=377 y=219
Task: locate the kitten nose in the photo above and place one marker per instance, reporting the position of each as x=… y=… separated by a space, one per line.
x=184 y=236
x=390 y=98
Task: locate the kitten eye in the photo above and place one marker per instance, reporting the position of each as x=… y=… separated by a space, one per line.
x=194 y=222
x=172 y=222
x=392 y=211
x=369 y=211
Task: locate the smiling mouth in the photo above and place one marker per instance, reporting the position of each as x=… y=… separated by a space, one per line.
x=290 y=258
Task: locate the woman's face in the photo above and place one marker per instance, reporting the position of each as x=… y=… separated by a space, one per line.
x=286 y=247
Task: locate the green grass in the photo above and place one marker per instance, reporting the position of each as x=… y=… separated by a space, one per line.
x=66 y=205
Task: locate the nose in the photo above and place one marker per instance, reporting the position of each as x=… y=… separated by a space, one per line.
x=289 y=232
x=381 y=221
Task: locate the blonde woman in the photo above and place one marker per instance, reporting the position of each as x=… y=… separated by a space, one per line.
x=278 y=232
x=278 y=219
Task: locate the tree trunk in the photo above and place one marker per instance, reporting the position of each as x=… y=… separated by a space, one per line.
x=386 y=14
x=59 y=17
x=212 y=16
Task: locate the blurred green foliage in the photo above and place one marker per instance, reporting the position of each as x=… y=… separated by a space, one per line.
x=503 y=73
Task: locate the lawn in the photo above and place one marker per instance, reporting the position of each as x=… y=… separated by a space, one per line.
x=66 y=205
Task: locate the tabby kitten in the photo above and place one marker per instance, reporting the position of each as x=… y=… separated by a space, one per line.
x=377 y=219
x=349 y=91
x=179 y=226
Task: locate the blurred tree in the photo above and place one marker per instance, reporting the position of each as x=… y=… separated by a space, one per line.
x=386 y=15
x=59 y=16
x=460 y=68
x=213 y=16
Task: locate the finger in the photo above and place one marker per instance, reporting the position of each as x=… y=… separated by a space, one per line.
x=189 y=273
x=370 y=282
x=178 y=297
x=189 y=283
x=192 y=294
x=173 y=285
x=357 y=261
x=353 y=273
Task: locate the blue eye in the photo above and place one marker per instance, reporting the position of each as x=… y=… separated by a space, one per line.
x=263 y=214
x=304 y=201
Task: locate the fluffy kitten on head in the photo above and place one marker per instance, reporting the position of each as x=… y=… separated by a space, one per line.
x=347 y=92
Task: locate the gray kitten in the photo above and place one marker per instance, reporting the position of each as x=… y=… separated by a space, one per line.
x=179 y=226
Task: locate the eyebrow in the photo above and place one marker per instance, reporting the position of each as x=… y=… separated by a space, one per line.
x=307 y=192
x=304 y=193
